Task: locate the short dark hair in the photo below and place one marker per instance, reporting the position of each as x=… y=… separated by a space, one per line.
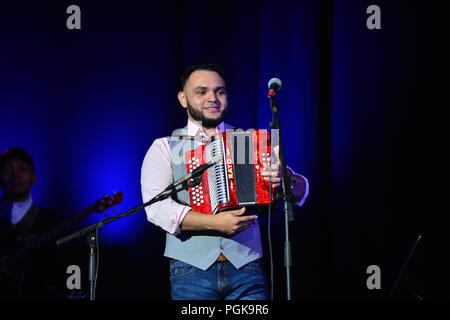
x=18 y=153
x=201 y=66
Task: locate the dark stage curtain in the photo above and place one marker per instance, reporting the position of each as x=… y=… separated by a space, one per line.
x=88 y=104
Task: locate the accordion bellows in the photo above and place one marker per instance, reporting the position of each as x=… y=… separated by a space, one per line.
x=236 y=181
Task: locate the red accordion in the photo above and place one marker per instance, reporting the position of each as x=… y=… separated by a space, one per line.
x=236 y=180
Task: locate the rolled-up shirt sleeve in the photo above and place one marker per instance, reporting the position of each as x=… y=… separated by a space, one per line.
x=156 y=175
x=305 y=195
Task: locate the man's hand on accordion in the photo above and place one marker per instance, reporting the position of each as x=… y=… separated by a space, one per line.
x=274 y=172
x=228 y=222
x=232 y=221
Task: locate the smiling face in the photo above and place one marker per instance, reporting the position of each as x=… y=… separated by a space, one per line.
x=205 y=98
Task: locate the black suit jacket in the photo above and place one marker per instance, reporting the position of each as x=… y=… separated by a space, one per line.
x=29 y=278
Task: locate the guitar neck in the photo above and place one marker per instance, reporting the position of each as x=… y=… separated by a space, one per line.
x=64 y=226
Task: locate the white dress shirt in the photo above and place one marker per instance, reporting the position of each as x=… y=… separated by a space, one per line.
x=16 y=209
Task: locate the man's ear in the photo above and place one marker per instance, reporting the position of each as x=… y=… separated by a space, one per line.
x=182 y=98
x=33 y=181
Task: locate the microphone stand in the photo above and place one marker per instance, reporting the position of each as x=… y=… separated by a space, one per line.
x=91 y=231
x=287 y=195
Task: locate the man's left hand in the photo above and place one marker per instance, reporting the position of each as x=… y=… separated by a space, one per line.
x=274 y=172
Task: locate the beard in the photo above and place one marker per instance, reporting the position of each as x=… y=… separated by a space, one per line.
x=198 y=115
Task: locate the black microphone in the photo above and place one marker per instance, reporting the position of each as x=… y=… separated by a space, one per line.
x=274 y=86
x=196 y=172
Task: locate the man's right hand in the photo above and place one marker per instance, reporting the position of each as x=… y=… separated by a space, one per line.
x=228 y=222
x=232 y=221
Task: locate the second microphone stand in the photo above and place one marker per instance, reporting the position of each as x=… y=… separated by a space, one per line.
x=287 y=196
x=91 y=231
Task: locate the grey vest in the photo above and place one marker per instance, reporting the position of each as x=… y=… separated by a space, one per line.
x=202 y=250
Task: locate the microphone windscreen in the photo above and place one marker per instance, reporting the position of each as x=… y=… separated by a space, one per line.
x=274 y=84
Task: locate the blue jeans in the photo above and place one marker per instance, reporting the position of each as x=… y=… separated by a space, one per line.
x=221 y=281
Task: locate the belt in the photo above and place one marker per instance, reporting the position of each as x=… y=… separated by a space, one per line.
x=221 y=258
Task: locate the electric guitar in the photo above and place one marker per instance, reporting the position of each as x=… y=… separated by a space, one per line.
x=37 y=241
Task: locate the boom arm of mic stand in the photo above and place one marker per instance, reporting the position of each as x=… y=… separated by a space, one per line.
x=92 y=232
x=101 y=224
